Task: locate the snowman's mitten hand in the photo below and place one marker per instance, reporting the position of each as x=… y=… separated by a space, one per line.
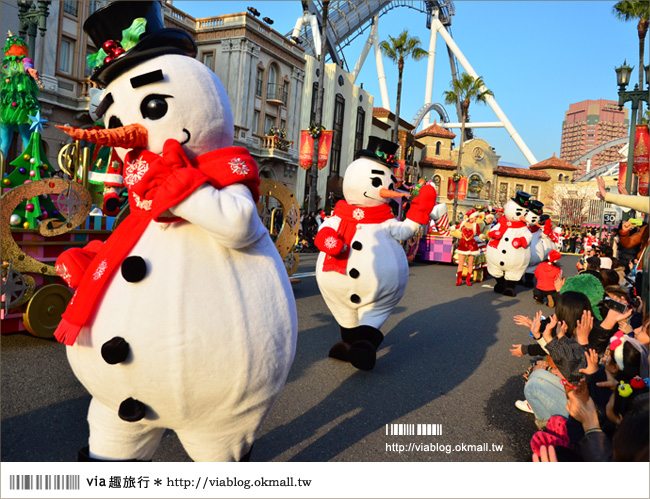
x=329 y=242
x=72 y=264
x=547 y=227
x=495 y=233
x=404 y=230
x=519 y=242
x=422 y=205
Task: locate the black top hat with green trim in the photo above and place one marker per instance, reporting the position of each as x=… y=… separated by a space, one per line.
x=381 y=150
x=128 y=33
x=535 y=206
x=522 y=199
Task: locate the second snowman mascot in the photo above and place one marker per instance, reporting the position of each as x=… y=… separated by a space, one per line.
x=362 y=269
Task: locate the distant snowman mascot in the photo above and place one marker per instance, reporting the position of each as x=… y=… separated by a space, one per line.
x=185 y=317
x=508 y=251
x=362 y=270
x=534 y=216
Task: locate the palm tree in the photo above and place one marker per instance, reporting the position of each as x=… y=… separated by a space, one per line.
x=464 y=90
x=632 y=10
x=397 y=50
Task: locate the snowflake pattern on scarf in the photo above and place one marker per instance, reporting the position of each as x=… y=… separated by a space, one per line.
x=143 y=205
x=101 y=268
x=358 y=214
x=135 y=170
x=239 y=166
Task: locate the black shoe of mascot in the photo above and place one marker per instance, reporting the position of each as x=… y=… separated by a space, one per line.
x=510 y=288
x=363 y=351
x=500 y=285
x=528 y=280
x=341 y=350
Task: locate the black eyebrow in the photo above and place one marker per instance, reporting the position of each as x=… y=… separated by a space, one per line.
x=147 y=78
x=377 y=172
x=104 y=104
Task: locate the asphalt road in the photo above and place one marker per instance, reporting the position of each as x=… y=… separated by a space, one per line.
x=444 y=361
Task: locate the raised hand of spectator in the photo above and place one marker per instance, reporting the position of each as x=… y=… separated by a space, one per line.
x=559 y=282
x=582 y=407
x=546 y=455
x=516 y=350
x=613 y=318
x=522 y=320
x=547 y=334
x=562 y=330
x=534 y=327
x=585 y=324
x=592 y=362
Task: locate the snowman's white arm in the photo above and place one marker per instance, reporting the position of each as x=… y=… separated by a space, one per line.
x=402 y=230
x=229 y=214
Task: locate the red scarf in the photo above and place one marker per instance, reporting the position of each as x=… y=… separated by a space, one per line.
x=351 y=216
x=156 y=183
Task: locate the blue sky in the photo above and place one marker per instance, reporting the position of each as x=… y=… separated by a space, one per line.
x=536 y=56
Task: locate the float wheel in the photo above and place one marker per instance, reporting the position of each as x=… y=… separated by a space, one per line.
x=44 y=310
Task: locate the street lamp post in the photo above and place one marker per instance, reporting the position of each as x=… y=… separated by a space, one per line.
x=635 y=96
x=313 y=170
x=32 y=18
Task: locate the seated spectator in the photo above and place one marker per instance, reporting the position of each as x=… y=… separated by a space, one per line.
x=546 y=273
x=610 y=277
x=606 y=255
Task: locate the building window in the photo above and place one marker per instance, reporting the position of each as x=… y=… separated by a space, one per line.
x=259 y=81
x=256 y=122
x=359 y=129
x=88 y=70
x=534 y=192
x=519 y=187
x=474 y=186
x=66 y=55
x=71 y=7
x=488 y=190
x=436 y=181
x=208 y=60
x=438 y=144
x=269 y=121
x=337 y=136
x=560 y=177
x=94 y=5
x=503 y=193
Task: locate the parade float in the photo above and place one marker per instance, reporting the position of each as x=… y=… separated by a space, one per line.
x=60 y=218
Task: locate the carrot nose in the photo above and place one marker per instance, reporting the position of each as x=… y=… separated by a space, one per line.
x=127 y=137
x=387 y=193
x=523 y=219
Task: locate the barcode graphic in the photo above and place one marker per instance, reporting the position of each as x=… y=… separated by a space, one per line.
x=413 y=429
x=44 y=482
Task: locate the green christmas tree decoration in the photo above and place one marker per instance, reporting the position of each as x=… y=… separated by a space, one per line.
x=30 y=166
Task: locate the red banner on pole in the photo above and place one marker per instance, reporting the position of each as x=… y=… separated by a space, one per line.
x=451 y=188
x=324 y=145
x=462 y=188
x=306 y=150
x=622 y=169
x=642 y=157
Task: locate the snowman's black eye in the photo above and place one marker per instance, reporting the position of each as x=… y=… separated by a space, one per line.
x=376 y=182
x=114 y=122
x=154 y=106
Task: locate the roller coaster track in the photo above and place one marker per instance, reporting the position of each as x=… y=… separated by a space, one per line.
x=347 y=20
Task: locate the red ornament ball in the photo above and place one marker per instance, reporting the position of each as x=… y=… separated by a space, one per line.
x=29 y=207
x=27 y=181
x=32 y=173
x=109 y=46
x=14 y=104
x=44 y=214
x=118 y=51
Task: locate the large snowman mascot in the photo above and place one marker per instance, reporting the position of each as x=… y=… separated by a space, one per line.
x=362 y=269
x=543 y=242
x=508 y=251
x=185 y=317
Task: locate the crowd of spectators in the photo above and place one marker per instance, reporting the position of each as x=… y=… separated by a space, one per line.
x=587 y=385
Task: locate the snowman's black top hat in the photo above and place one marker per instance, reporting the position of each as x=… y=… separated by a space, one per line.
x=107 y=24
x=536 y=206
x=522 y=199
x=543 y=219
x=381 y=150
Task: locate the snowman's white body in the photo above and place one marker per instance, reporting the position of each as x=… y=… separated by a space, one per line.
x=505 y=260
x=380 y=262
x=540 y=246
x=380 y=285
x=212 y=327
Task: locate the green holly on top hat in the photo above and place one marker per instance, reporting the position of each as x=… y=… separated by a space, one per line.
x=522 y=199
